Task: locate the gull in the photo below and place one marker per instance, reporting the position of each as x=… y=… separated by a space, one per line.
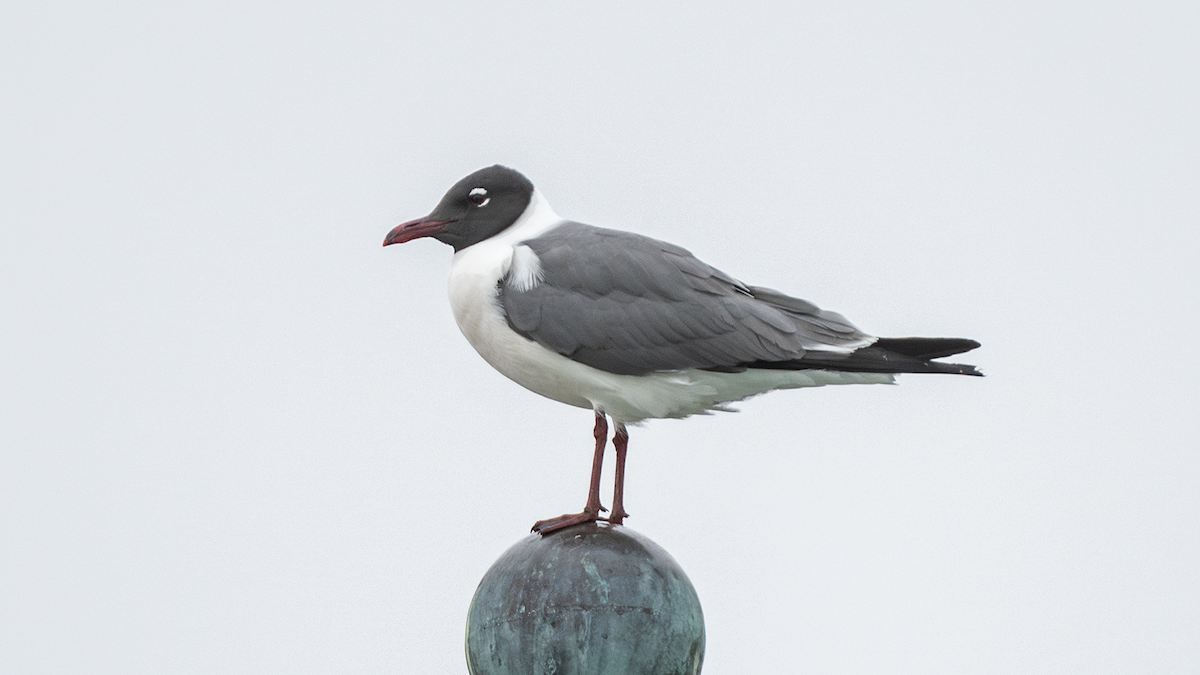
x=635 y=328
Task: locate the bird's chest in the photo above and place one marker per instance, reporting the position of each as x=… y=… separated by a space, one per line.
x=474 y=276
x=474 y=298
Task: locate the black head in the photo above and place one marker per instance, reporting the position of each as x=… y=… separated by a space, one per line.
x=477 y=207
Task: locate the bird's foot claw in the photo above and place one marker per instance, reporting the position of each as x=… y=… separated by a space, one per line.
x=544 y=527
x=618 y=517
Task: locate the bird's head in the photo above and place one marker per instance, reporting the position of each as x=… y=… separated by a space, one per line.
x=477 y=207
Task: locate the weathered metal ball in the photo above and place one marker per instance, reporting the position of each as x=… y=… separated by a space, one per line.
x=593 y=599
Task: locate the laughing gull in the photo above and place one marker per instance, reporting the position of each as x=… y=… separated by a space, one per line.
x=632 y=327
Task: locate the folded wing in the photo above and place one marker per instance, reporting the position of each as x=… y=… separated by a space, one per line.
x=629 y=304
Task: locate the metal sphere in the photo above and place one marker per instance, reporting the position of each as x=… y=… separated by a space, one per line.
x=593 y=599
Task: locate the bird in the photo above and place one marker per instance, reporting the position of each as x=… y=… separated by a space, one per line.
x=635 y=328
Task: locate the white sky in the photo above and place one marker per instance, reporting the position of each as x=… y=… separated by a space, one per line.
x=240 y=437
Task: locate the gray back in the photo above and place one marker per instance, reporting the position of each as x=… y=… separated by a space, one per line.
x=629 y=304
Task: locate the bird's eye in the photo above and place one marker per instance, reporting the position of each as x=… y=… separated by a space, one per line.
x=479 y=197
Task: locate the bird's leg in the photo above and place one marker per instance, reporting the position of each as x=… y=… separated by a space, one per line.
x=621 y=443
x=600 y=431
x=591 y=511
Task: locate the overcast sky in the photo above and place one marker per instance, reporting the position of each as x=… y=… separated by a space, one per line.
x=238 y=436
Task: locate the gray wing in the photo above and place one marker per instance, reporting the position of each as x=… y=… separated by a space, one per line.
x=628 y=304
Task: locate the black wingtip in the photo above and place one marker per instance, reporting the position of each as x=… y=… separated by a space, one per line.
x=885 y=355
x=926 y=348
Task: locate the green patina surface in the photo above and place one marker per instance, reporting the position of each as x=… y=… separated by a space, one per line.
x=588 y=600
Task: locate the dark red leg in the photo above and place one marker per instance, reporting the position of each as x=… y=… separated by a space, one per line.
x=592 y=510
x=620 y=442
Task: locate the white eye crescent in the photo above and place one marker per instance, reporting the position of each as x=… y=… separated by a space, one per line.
x=479 y=197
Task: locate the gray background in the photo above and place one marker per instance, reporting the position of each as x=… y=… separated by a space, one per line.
x=240 y=437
